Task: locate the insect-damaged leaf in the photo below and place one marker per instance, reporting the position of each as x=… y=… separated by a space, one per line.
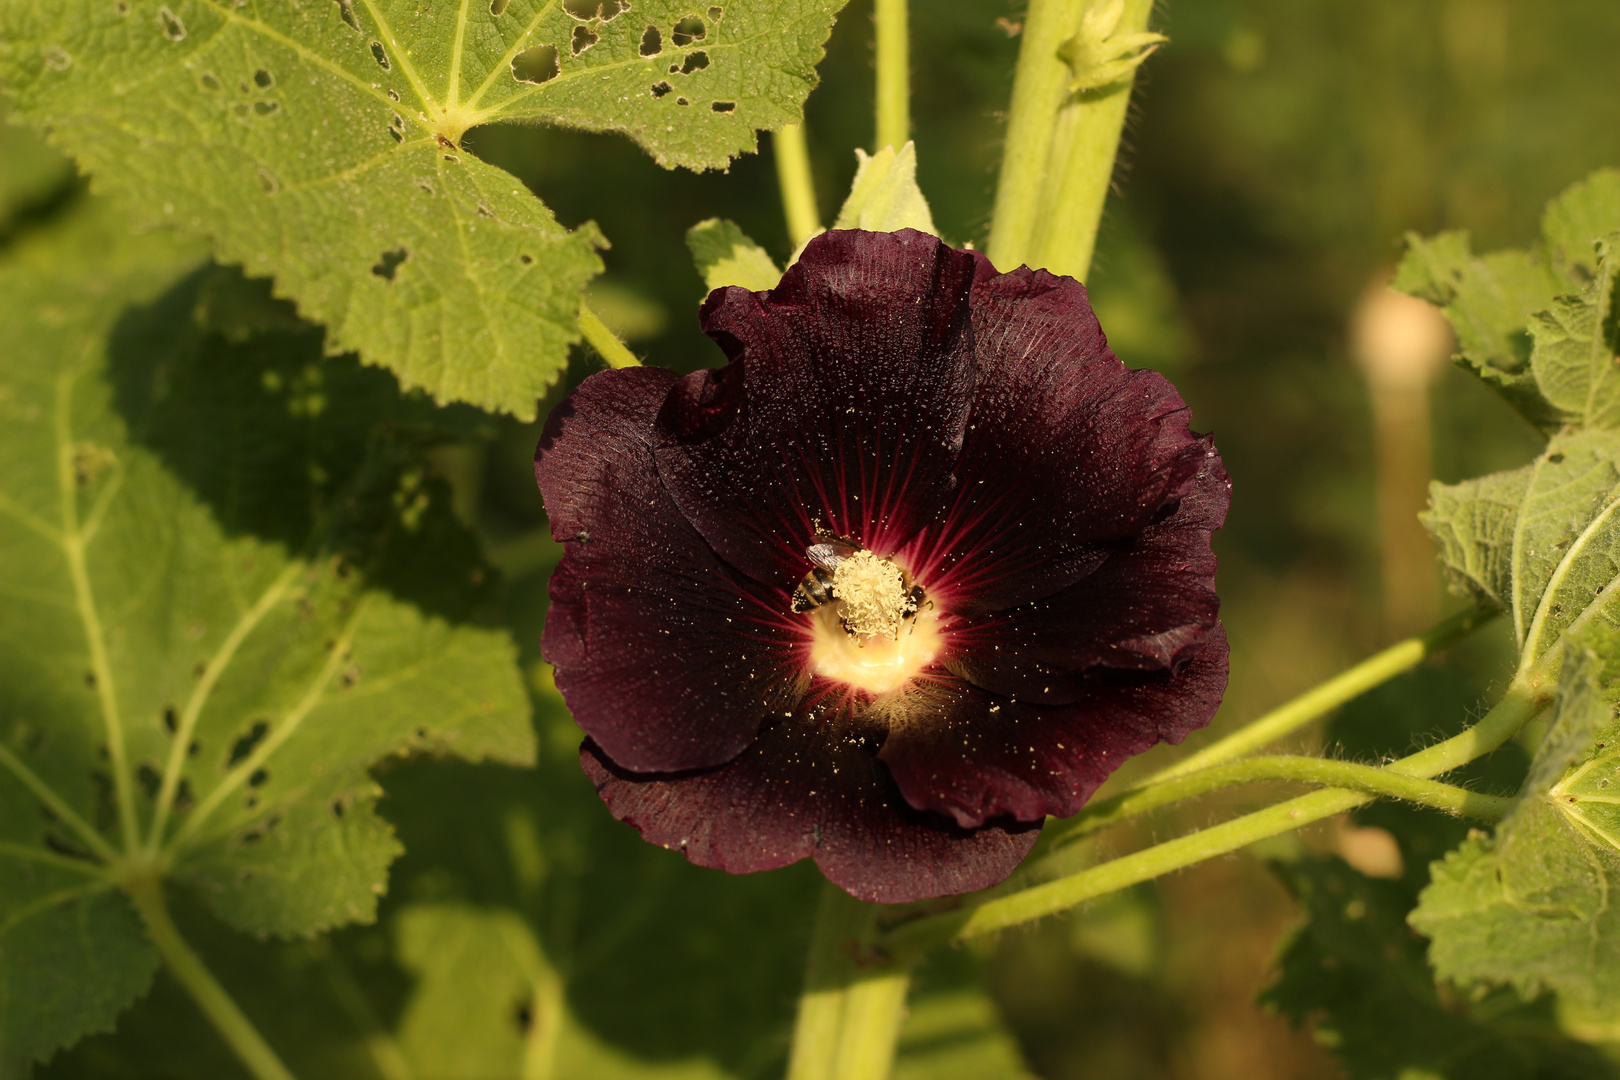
x=319 y=142
x=228 y=590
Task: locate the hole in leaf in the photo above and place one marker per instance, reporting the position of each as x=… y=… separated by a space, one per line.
x=122 y=7
x=346 y=9
x=150 y=779
x=497 y=8
x=716 y=13
x=258 y=778
x=674 y=69
x=265 y=108
x=525 y=259
x=259 y=832
x=1556 y=459
x=682 y=101
x=338 y=808
x=173 y=28
x=396 y=128
x=695 y=62
x=263 y=79
x=194 y=748
x=451 y=158
x=584 y=37
x=723 y=106
x=388 y=262
x=606 y=10
x=660 y=89
x=171 y=720
x=211 y=83
x=247 y=742
x=183 y=799
x=380 y=54
x=62 y=845
x=536 y=64
x=688 y=30
x=652 y=41
x=393 y=95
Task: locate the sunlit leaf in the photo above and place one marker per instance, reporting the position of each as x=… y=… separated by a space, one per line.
x=884 y=196
x=724 y=255
x=320 y=142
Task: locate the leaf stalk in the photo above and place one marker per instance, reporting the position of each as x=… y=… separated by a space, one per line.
x=604 y=341
x=893 y=74
x=797 y=184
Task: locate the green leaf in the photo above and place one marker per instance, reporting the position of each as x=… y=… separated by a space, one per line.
x=884 y=196
x=1356 y=973
x=1530 y=907
x=953 y=1030
x=1543 y=541
x=229 y=589
x=1548 y=366
x=320 y=143
x=724 y=255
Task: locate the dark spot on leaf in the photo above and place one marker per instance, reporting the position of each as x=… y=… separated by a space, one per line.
x=524 y=1016
x=150 y=779
x=688 y=30
x=606 y=10
x=254 y=835
x=337 y=809
x=396 y=128
x=200 y=670
x=346 y=9
x=263 y=79
x=388 y=263
x=682 y=101
x=485 y=210
x=422 y=733
x=652 y=41
x=242 y=110
x=62 y=845
x=444 y=141
x=211 y=83
x=171 y=720
x=695 y=62
x=497 y=8
x=451 y=158
x=380 y=54
x=268 y=181
x=536 y=64
x=122 y=7
x=351 y=675
x=716 y=13
x=258 y=778
x=584 y=37
x=90 y=679
x=723 y=106
x=173 y=28
x=525 y=259
x=265 y=108
x=194 y=748
x=1556 y=459
x=182 y=796
x=425 y=186
x=246 y=742
x=393 y=95
x=660 y=89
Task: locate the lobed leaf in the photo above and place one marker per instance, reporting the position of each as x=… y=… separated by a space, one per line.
x=229 y=589
x=320 y=142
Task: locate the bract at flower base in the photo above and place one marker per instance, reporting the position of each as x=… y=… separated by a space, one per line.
x=918 y=568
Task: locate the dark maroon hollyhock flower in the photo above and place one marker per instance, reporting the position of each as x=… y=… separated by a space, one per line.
x=1009 y=531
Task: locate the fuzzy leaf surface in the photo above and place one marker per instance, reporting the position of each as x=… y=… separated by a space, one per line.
x=228 y=591
x=1531 y=906
x=725 y=255
x=319 y=142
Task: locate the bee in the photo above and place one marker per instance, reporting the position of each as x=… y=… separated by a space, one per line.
x=826 y=553
x=816 y=587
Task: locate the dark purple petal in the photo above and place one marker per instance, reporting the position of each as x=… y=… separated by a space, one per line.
x=1145 y=608
x=959 y=750
x=844 y=404
x=667 y=657
x=1068 y=452
x=811 y=786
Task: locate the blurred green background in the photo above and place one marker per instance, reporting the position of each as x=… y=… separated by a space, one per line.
x=1275 y=153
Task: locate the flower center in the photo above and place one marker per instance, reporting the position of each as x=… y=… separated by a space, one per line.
x=872 y=637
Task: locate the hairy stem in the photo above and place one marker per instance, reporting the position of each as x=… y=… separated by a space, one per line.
x=988 y=914
x=798 y=188
x=1325 y=697
x=853 y=999
x=1307 y=770
x=1040 y=85
x=893 y=74
x=604 y=341
x=233 y=1026
x=1081 y=167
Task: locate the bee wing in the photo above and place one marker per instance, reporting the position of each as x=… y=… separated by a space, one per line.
x=828 y=556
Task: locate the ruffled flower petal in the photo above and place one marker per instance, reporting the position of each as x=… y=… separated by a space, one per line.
x=669 y=658
x=960 y=750
x=843 y=407
x=811 y=785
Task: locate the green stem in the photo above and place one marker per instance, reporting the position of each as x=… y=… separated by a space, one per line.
x=1521 y=703
x=1306 y=770
x=893 y=74
x=1039 y=88
x=1081 y=167
x=1376 y=669
x=853 y=1000
x=798 y=187
x=604 y=341
x=236 y=1029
